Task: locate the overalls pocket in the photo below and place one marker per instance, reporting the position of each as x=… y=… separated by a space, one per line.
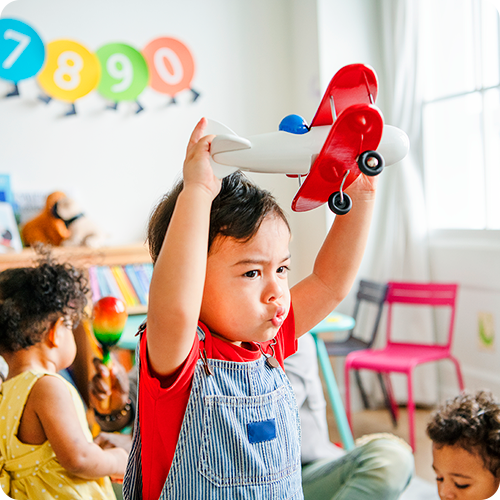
x=249 y=440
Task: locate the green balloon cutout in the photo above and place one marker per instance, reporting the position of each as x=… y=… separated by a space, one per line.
x=125 y=73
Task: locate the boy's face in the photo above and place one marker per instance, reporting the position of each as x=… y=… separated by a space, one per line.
x=461 y=475
x=246 y=296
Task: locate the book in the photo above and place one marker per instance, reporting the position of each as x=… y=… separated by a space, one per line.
x=125 y=288
x=94 y=283
x=114 y=289
x=136 y=283
x=149 y=271
x=10 y=240
x=103 y=284
x=143 y=277
x=129 y=284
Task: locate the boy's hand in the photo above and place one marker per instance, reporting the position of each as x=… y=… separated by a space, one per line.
x=364 y=187
x=197 y=169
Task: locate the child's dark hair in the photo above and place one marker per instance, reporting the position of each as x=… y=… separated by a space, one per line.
x=237 y=212
x=32 y=298
x=472 y=422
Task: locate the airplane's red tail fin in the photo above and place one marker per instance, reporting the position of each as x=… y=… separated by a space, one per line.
x=352 y=84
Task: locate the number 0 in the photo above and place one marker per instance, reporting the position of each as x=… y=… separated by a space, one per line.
x=177 y=74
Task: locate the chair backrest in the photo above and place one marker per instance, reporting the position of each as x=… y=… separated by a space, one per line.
x=427 y=294
x=375 y=293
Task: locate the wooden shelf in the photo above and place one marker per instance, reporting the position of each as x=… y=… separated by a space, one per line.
x=81 y=256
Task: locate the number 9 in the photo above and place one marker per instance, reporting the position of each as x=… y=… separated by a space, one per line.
x=124 y=72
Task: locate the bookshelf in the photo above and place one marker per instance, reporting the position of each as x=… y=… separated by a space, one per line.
x=82 y=256
x=88 y=258
x=128 y=282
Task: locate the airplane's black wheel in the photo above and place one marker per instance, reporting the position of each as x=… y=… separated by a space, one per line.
x=371 y=163
x=337 y=206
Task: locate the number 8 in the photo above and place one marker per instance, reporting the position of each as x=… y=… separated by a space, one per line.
x=65 y=69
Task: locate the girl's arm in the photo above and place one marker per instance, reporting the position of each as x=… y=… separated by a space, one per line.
x=338 y=260
x=58 y=417
x=178 y=280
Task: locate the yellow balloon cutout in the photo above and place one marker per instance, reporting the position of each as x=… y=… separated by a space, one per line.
x=70 y=72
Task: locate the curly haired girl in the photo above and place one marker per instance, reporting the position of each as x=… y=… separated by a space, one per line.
x=465 y=434
x=46 y=449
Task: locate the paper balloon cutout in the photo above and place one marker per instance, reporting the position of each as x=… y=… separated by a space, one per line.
x=109 y=318
x=71 y=71
x=125 y=73
x=22 y=52
x=171 y=65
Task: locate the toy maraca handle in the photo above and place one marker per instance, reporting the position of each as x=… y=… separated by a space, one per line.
x=106 y=359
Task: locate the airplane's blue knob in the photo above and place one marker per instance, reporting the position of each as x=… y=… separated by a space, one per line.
x=294 y=124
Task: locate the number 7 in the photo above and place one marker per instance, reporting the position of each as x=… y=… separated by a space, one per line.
x=24 y=41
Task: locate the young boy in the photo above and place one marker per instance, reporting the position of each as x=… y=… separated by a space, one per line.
x=465 y=435
x=217 y=417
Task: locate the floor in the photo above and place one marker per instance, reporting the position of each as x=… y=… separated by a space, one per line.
x=373 y=421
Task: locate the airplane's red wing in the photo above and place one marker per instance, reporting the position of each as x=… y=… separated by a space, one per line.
x=357 y=129
x=352 y=84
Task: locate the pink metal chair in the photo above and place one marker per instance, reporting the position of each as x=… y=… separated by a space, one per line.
x=403 y=357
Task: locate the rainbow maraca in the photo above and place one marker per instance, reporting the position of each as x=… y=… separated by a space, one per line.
x=109 y=318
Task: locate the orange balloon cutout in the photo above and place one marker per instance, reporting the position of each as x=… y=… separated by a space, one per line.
x=171 y=65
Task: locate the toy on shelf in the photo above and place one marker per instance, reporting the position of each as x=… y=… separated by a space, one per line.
x=46 y=227
x=61 y=222
x=82 y=229
x=347 y=136
x=108 y=322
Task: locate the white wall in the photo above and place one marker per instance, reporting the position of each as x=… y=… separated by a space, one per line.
x=348 y=34
x=255 y=63
x=471 y=259
x=119 y=163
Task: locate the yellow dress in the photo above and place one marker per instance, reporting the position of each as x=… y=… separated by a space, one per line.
x=32 y=472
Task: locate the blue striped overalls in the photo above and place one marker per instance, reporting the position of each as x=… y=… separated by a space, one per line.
x=240 y=437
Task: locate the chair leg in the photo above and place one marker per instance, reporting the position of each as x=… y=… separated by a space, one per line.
x=390 y=403
x=334 y=395
x=459 y=373
x=411 y=410
x=362 y=391
x=347 y=393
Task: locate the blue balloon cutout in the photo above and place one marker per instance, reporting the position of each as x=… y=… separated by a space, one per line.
x=22 y=52
x=294 y=124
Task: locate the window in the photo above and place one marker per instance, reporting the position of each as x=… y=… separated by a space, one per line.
x=460 y=78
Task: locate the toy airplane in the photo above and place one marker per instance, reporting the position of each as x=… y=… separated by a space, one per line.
x=347 y=136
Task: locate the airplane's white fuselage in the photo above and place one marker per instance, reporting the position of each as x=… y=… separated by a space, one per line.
x=287 y=153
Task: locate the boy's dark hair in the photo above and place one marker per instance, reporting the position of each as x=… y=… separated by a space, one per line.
x=32 y=298
x=237 y=212
x=472 y=422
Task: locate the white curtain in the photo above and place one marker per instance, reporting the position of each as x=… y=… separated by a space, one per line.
x=398 y=245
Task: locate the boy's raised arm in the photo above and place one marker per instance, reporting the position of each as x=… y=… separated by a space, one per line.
x=179 y=273
x=338 y=260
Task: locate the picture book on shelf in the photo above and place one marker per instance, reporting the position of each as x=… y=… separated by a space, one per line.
x=10 y=240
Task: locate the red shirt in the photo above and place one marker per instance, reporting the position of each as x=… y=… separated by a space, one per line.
x=163 y=400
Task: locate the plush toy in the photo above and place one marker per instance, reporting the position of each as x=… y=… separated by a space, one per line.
x=82 y=230
x=46 y=227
